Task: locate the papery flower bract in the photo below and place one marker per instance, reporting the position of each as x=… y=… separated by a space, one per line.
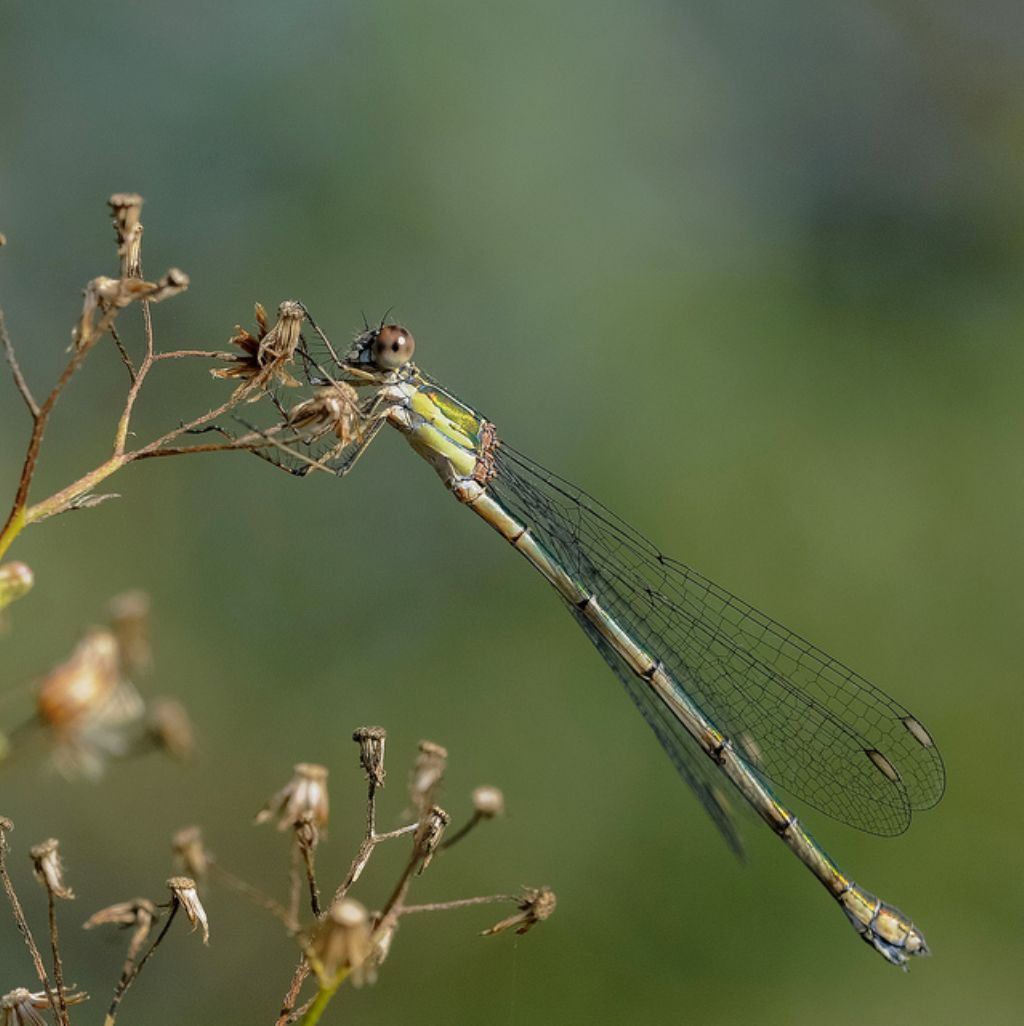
x=49 y=869
x=341 y=943
x=185 y=896
x=304 y=795
x=18 y=1007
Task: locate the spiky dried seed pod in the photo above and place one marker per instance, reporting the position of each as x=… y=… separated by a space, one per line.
x=428 y=835
x=427 y=773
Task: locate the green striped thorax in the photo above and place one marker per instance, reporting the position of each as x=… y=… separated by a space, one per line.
x=443 y=430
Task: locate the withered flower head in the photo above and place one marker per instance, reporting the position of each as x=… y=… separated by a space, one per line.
x=87 y=704
x=266 y=354
x=103 y=294
x=19 y=1007
x=82 y=684
x=190 y=852
x=184 y=894
x=126 y=208
x=305 y=793
x=170 y=728
x=129 y=620
x=341 y=943
x=16 y=579
x=428 y=835
x=535 y=905
x=333 y=409
x=139 y=915
x=371 y=752
x=488 y=802
x=48 y=868
x=427 y=773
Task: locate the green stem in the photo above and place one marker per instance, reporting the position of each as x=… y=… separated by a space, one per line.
x=316 y=1009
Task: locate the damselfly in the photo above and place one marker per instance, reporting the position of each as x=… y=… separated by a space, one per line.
x=738 y=701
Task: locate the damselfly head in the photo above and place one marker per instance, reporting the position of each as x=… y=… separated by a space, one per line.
x=384 y=348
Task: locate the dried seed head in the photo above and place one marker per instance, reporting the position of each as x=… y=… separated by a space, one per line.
x=427 y=774
x=173 y=283
x=18 y=1007
x=129 y=620
x=371 y=752
x=48 y=868
x=190 y=854
x=341 y=943
x=81 y=685
x=184 y=894
x=138 y=915
x=88 y=705
x=428 y=835
x=305 y=793
x=15 y=580
x=488 y=802
x=535 y=905
x=265 y=355
x=126 y=208
x=333 y=409
x=170 y=728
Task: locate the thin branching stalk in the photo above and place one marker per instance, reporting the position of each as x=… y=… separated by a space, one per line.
x=22 y=922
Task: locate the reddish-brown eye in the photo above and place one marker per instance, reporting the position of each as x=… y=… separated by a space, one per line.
x=393 y=347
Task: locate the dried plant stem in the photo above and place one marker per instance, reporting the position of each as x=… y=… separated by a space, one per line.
x=58 y=965
x=19 y=918
x=445 y=906
x=132 y=969
x=285 y=1016
x=19 y=379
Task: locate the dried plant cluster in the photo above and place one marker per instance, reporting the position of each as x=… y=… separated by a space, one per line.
x=90 y=709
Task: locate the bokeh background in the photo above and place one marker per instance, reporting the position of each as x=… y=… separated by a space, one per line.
x=749 y=273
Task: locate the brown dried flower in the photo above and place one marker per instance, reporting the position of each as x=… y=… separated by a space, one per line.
x=266 y=354
x=88 y=705
x=371 y=752
x=341 y=944
x=427 y=773
x=184 y=895
x=48 y=868
x=334 y=409
x=103 y=294
x=305 y=794
x=18 y=1007
x=535 y=905
x=190 y=852
x=428 y=835
x=139 y=915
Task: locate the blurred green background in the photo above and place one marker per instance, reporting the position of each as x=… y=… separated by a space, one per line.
x=748 y=273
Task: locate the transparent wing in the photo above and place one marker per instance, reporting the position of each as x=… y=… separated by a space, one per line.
x=804 y=721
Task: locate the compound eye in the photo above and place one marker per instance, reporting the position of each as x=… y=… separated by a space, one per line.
x=393 y=347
